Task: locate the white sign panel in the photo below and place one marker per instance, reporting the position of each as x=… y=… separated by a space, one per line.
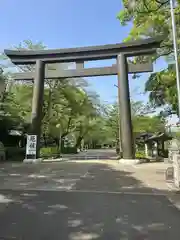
x=31 y=144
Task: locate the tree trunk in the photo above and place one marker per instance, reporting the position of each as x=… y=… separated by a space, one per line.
x=44 y=138
x=78 y=142
x=49 y=107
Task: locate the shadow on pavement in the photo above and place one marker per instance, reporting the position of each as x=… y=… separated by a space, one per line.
x=93 y=210
x=104 y=178
x=40 y=176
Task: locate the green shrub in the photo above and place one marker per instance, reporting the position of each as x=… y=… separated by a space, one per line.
x=54 y=151
x=140 y=155
x=15 y=153
x=69 y=150
x=49 y=152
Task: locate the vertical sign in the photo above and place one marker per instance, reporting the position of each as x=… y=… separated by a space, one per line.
x=31 y=146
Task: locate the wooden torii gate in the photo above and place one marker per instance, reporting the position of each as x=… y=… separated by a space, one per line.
x=80 y=55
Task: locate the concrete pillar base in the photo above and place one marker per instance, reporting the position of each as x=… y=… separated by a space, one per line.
x=38 y=160
x=129 y=161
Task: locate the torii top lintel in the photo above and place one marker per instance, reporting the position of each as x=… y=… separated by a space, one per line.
x=134 y=48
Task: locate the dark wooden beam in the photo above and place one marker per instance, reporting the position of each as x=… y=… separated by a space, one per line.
x=134 y=48
x=89 y=72
x=68 y=58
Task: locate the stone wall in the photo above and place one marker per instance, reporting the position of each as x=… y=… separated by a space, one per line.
x=174 y=159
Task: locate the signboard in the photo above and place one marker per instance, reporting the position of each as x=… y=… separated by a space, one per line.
x=31 y=145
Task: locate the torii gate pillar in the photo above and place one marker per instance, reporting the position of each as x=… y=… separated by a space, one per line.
x=127 y=140
x=37 y=103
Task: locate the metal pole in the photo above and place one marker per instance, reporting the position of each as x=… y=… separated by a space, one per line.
x=174 y=36
x=37 y=102
x=124 y=100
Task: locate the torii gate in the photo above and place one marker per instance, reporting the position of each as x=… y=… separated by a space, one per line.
x=80 y=55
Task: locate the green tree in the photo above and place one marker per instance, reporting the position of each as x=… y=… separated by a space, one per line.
x=8 y=116
x=150 y=18
x=162 y=88
x=73 y=112
x=141 y=121
x=112 y=120
x=56 y=95
x=148 y=124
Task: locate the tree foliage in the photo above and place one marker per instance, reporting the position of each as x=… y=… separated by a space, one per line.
x=163 y=89
x=150 y=19
x=141 y=121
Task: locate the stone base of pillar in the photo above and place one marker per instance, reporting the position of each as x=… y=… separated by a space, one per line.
x=129 y=161
x=38 y=160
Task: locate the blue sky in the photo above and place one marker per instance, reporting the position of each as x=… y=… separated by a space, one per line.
x=70 y=23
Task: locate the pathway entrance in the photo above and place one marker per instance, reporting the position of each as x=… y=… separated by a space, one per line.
x=121 y=52
x=84 y=201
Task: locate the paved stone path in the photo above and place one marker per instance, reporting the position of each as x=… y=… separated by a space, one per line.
x=82 y=201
